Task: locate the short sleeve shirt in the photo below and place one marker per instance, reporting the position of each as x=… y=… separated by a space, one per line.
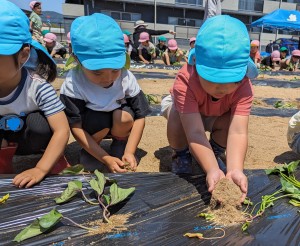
x=36 y=20
x=190 y=97
x=255 y=55
x=149 y=48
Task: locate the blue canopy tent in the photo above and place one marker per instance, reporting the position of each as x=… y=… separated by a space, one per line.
x=279 y=19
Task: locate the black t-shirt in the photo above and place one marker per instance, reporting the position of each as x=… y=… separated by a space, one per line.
x=139 y=30
x=267 y=61
x=163 y=48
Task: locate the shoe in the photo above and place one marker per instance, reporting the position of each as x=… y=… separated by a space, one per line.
x=90 y=163
x=6 y=156
x=182 y=164
x=117 y=148
x=61 y=164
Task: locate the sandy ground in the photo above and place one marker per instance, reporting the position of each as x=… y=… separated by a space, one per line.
x=267 y=135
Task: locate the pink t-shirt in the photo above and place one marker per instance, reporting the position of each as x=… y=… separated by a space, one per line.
x=189 y=96
x=255 y=55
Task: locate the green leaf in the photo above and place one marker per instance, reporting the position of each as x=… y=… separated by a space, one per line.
x=4 y=198
x=95 y=186
x=73 y=188
x=247 y=202
x=39 y=226
x=77 y=169
x=294 y=202
x=292 y=166
x=106 y=199
x=118 y=194
x=275 y=170
x=127 y=63
x=245 y=226
x=288 y=187
x=101 y=180
x=70 y=60
x=206 y=216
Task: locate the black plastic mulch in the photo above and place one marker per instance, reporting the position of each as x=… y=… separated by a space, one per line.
x=276 y=83
x=163 y=208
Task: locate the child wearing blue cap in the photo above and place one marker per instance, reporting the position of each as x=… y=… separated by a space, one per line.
x=32 y=118
x=213 y=95
x=161 y=46
x=103 y=98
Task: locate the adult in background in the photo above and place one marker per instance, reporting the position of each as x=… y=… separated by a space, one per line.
x=141 y=26
x=212 y=8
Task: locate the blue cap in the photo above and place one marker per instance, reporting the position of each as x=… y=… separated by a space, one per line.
x=98 y=43
x=222 y=51
x=162 y=38
x=14 y=30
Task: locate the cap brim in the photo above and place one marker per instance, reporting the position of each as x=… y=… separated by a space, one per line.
x=48 y=40
x=9 y=49
x=38 y=46
x=276 y=59
x=173 y=48
x=104 y=63
x=140 y=25
x=228 y=75
x=143 y=40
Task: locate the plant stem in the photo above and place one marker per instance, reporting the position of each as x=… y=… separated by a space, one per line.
x=106 y=213
x=209 y=238
x=87 y=200
x=81 y=226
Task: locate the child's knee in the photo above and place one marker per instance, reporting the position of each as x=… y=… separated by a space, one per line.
x=295 y=145
x=122 y=118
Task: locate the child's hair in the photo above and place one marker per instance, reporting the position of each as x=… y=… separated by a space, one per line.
x=45 y=67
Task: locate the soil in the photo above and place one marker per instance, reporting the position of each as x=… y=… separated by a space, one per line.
x=118 y=223
x=225 y=203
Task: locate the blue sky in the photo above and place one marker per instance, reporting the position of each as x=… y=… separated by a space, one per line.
x=47 y=5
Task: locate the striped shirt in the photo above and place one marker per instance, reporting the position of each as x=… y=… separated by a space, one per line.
x=32 y=94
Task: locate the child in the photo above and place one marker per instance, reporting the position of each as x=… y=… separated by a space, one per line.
x=69 y=43
x=172 y=54
x=215 y=95
x=292 y=63
x=128 y=46
x=102 y=97
x=283 y=52
x=36 y=23
x=32 y=119
x=192 y=46
x=254 y=53
x=146 y=49
x=53 y=46
x=272 y=61
x=293 y=134
x=161 y=46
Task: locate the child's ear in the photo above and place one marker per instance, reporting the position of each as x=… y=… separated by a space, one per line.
x=24 y=54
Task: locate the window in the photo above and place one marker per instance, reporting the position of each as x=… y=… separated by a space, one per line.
x=190 y=2
x=122 y=15
x=184 y=22
x=251 y=5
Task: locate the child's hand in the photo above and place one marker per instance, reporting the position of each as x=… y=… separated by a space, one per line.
x=130 y=158
x=146 y=62
x=240 y=179
x=115 y=165
x=29 y=177
x=213 y=177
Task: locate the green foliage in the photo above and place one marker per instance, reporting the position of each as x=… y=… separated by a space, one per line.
x=39 y=226
x=245 y=226
x=247 y=202
x=77 y=169
x=73 y=188
x=98 y=185
x=118 y=194
x=152 y=99
x=281 y=104
x=207 y=216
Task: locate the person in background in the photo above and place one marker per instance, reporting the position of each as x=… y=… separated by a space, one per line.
x=146 y=49
x=254 y=52
x=212 y=96
x=212 y=8
x=102 y=98
x=283 y=52
x=161 y=46
x=293 y=133
x=44 y=32
x=291 y=63
x=32 y=118
x=36 y=23
x=53 y=46
x=192 y=46
x=141 y=26
x=173 y=54
x=128 y=46
x=69 y=43
x=271 y=61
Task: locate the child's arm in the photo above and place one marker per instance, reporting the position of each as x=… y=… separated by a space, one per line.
x=142 y=58
x=133 y=141
x=167 y=58
x=92 y=147
x=201 y=149
x=237 y=142
x=59 y=125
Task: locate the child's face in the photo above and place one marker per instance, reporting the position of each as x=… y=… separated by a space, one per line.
x=49 y=45
x=295 y=58
x=103 y=77
x=192 y=45
x=254 y=49
x=146 y=43
x=162 y=43
x=283 y=54
x=218 y=90
x=8 y=68
x=38 y=10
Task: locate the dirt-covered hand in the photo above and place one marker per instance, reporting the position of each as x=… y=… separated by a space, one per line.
x=115 y=165
x=130 y=158
x=240 y=179
x=213 y=177
x=29 y=177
